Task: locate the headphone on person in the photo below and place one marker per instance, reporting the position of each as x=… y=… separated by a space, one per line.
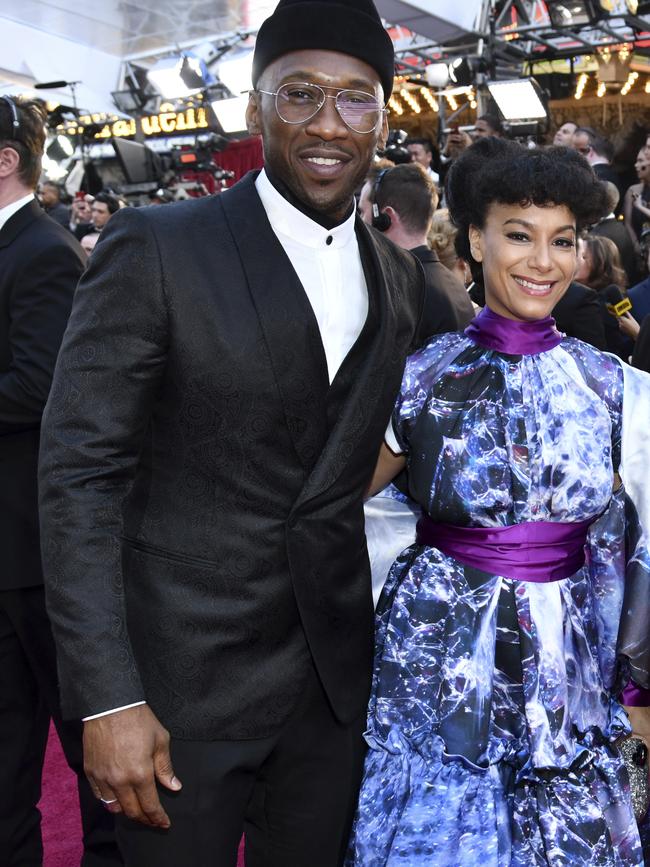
x=15 y=120
x=380 y=220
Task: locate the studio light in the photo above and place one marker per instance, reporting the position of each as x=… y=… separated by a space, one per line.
x=179 y=76
x=236 y=72
x=60 y=148
x=231 y=113
x=437 y=75
x=573 y=13
x=461 y=73
x=133 y=102
x=53 y=170
x=517 y=99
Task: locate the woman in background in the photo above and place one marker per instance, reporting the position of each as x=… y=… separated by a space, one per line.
x=503 y=653
x=636 y=202
x=600 y=268
x=442 y=240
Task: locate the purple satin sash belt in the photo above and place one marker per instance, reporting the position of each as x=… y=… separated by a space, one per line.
x=539 y=551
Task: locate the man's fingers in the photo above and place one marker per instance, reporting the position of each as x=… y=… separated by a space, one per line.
x=141 y=804
x=162 y=766
x=150 y=805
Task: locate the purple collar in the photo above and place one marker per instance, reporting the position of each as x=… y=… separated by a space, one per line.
x=512 y=337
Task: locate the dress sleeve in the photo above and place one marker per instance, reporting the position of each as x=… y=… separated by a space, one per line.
x=617 y=543
x=421 y=371
x=634 y=631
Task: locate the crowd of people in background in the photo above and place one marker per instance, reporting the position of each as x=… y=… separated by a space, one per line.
x=621 y=260
x=614 y=253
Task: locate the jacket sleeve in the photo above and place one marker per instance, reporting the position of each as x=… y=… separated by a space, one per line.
x=39 y=307
x=109 y=368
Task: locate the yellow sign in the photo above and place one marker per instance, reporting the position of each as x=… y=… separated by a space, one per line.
x=165 y=122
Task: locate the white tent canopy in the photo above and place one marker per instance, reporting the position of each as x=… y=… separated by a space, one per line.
x=50 y=40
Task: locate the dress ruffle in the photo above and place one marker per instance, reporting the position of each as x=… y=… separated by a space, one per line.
x=421 y=805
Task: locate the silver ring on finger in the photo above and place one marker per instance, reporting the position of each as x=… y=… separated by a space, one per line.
x=108 y=801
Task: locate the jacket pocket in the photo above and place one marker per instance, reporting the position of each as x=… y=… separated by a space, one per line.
x=166 y=554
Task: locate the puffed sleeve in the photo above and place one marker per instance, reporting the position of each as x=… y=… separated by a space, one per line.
x=421 y=372
x=617 y=543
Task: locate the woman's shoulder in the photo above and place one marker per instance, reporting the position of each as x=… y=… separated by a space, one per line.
x=588 y=354
x=425 y=365
x=602 y=371
x=436 y=349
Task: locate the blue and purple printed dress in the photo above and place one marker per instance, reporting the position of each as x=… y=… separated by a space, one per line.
x=492 y=717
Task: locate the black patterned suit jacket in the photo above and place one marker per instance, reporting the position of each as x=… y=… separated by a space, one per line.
x=201 y=481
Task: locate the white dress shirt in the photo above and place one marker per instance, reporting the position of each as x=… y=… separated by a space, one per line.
x=9 y=210
x=328 y=264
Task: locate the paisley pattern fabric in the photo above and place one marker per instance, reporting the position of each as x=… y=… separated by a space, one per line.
x=492 y=719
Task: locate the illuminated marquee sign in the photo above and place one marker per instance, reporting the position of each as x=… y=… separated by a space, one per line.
x=167 y=121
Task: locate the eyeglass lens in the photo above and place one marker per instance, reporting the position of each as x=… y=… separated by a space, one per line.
x=298 y=102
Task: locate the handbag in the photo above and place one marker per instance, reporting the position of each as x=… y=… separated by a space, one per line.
x=635 y=755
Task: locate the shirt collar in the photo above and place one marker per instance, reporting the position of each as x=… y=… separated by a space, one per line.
x=9 y=210
x=289 y=221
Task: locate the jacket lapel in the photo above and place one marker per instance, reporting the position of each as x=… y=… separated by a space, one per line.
x=18 y=221
x=370 y=375
x=288 y=323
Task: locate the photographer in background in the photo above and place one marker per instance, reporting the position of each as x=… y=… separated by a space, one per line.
x=81 y=218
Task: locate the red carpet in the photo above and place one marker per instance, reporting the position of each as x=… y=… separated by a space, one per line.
x=60 y=808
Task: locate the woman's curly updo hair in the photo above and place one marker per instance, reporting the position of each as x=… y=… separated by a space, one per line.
x=496 y=170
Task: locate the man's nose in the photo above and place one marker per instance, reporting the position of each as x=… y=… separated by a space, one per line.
x=327 y=122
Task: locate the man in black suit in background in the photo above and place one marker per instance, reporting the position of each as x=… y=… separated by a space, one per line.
x=40 y=263
x=578 y=314
x=400 y=202
x=52 y=204
x=220 y=398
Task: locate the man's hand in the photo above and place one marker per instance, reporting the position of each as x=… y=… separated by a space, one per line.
x=124 y=754
x=456 y=143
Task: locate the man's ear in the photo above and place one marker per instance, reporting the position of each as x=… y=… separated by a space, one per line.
x=253 y=111
x=9 y=161
x=392 y=213
x=476 y=243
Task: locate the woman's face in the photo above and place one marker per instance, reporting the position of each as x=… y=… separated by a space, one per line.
x=528 y=256
x=642 y=165
x=583 y=265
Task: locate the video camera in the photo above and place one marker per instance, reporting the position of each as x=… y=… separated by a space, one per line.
x=199 y=158
x=396 y=149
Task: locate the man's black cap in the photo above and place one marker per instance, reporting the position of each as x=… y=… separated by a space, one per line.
x=350 y=26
